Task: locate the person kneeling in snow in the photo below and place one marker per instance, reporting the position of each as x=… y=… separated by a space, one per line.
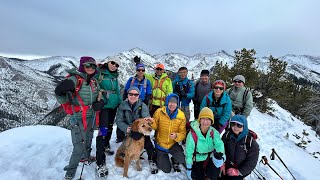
x=204 y=148
x=169 y=122
x=242 y=150
x=130 y=110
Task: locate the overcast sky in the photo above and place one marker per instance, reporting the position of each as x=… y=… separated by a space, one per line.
x=102 y=28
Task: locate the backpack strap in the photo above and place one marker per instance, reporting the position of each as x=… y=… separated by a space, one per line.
x=195 y=139
x=244 y=97
x=132 y=81
x=208 y=101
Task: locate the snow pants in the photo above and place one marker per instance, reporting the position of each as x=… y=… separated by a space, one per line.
x=163 y=161
x=199 y=172
x=81 y=141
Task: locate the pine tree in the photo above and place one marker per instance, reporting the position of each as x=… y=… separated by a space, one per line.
x=244 y=65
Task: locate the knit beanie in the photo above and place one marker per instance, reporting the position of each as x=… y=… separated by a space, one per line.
x=114 y=59
x=140 y=65
x=133 y=88
x=85 y=60
x=239 y=78
x=206 y=113
x=220 y=82
x=204 y=73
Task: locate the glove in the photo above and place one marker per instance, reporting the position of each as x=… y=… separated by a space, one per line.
x=98 y=105
x=103 y=131
x=233 y=172
x=183 y=94
x=64 y=87
x=189 y=166
x=223 y=169
x=218 y=159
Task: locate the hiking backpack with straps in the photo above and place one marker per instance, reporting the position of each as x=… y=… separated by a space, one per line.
x=248 y=139
x=68 y=107
x=244 y=97
x=195 y=139
x=144 y=83
x=185 y=87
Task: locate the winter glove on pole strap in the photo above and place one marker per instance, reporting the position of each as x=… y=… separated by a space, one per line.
x=218 y=159
x=103 y=131
x=189 y=167
x=233 y=172
x=98 y=105
x=64 y=87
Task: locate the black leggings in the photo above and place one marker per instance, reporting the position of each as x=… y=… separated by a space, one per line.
x=199 y=172
x=106 y=118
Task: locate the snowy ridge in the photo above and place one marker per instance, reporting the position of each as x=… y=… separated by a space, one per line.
x=50 y=147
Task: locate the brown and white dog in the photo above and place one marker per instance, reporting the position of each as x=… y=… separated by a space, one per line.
x=132 y=147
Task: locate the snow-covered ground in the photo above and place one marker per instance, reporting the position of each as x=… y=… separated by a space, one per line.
x=41 y=152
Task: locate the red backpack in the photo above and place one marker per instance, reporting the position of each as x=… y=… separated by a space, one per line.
x=69 y=108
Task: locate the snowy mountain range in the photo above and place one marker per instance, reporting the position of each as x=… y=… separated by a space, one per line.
x=26 y=89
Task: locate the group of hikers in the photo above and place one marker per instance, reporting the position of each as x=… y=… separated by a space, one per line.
x=92 y=96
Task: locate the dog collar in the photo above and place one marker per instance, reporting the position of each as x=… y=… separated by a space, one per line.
x=136 y=135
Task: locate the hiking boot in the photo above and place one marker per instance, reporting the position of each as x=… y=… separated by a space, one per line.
x=175 y=165
x=68 y=177
x=102 y=170
x=108 y=150
x=153 y=167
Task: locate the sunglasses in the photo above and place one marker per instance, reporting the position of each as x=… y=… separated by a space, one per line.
x=141 y=70
x=133 y=94
x=159 y=69
x=237 y=81
x=114 y=63
x=93 y=66
x=238 y=125
x=221 y=88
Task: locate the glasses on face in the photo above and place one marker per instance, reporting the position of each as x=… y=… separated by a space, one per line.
x=93 y=66
x=159 y=69
x=237 y=81
x=133 y=94
x=217 y=87
x=234 y=124
x=141 y=70
x=114 y=63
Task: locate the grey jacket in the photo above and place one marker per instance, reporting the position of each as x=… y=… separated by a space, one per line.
x=126 y=115
x=236 y=97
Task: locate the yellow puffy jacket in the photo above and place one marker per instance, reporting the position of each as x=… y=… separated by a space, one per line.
x=161 y=87
x=164 y=127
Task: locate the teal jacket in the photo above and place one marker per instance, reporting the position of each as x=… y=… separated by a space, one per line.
x=87 y=92
x=109 y=84
x=204 y=144
x=221 y=108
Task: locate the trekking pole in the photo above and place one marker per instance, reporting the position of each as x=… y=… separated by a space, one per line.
x=264 y=161
x=263 y=178
x=272 y=158
x=256 y=174
x=69 y=94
